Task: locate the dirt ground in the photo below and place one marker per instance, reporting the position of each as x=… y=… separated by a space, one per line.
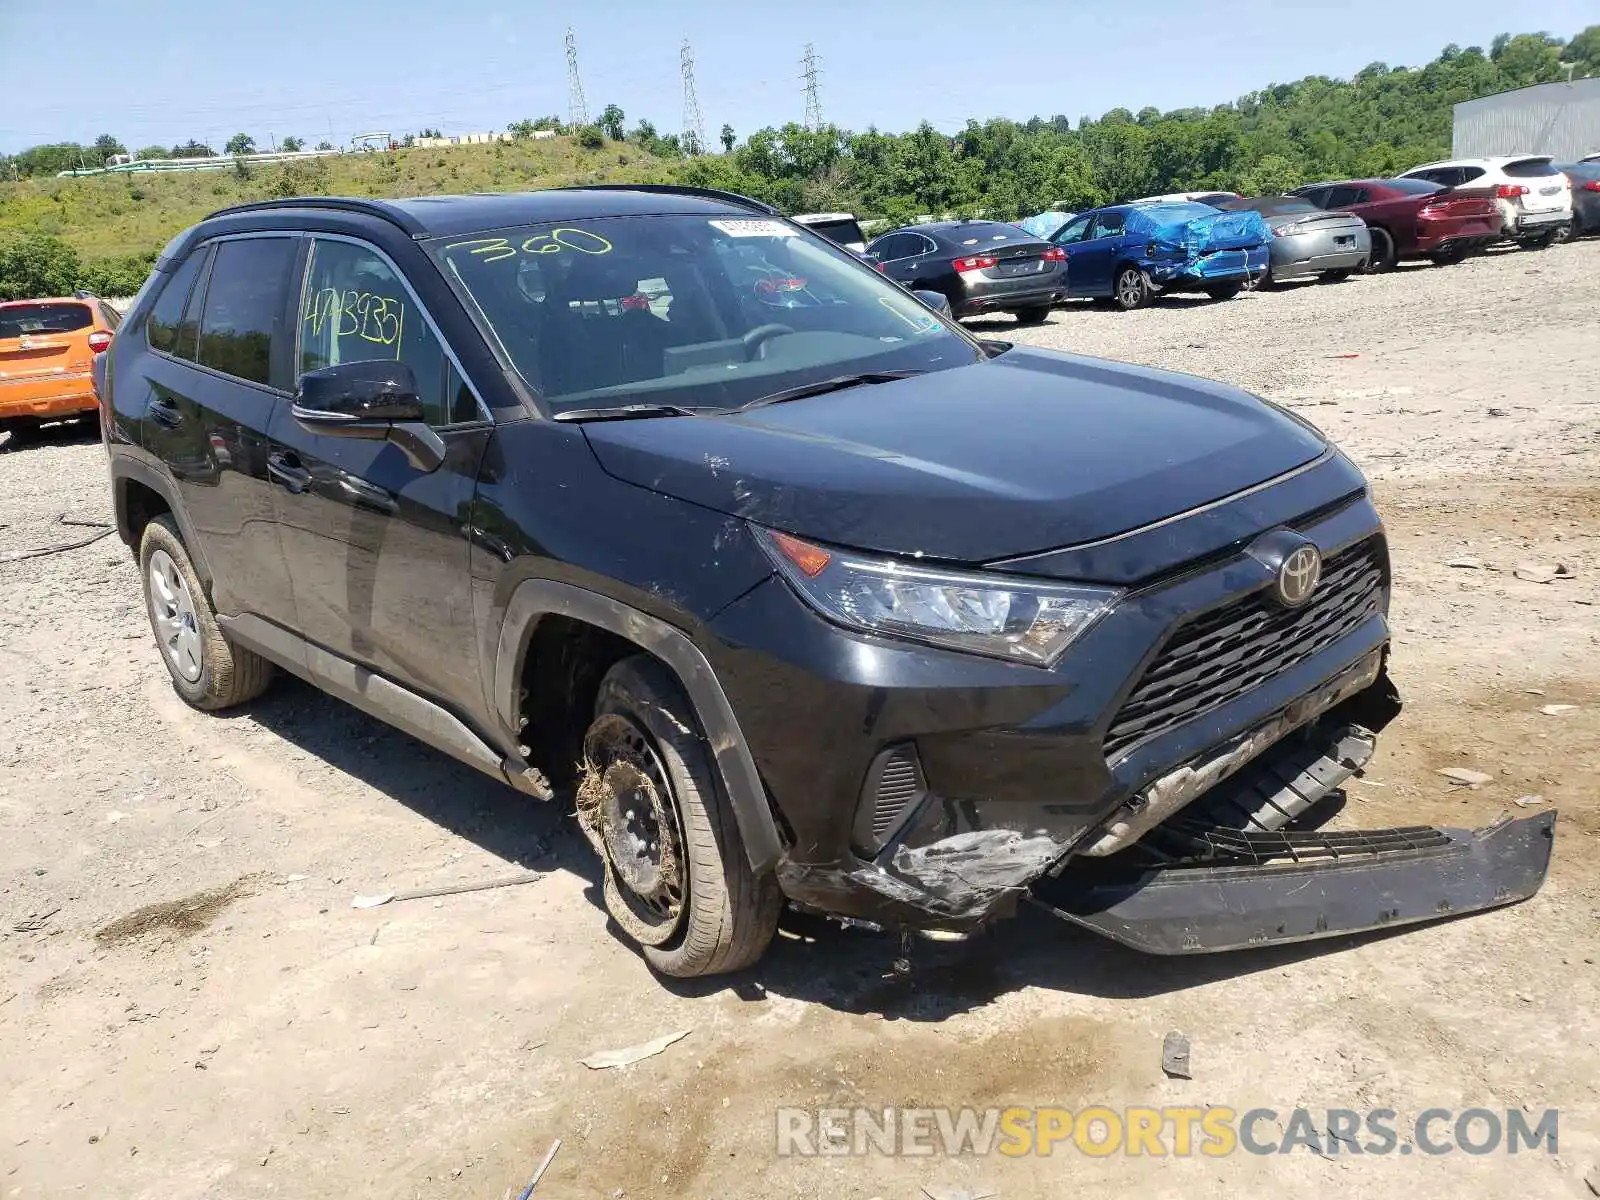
x=190 y=1006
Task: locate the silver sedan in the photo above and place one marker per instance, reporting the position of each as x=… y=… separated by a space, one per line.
x=1307 y=240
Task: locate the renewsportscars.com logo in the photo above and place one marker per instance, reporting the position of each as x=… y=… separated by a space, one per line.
x=1099 y=1131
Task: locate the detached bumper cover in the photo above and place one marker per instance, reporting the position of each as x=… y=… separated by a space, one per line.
x=1261 y=889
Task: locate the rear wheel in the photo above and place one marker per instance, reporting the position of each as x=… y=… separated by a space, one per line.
x=1225 y=291
x=1382 y=256
x=206 y=670
x=1130 y=289
x=1338 y=276
x=21 y=429
x=676 y=875
x=1035 y=314
x=1566 y=233
x=1448 y=258
x=1541 y=241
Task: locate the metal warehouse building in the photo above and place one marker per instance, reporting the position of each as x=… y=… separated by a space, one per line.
x=1561 y=119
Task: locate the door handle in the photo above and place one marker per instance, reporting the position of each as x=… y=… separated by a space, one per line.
x=164 y=413
x=286 y=469
x=368 y=495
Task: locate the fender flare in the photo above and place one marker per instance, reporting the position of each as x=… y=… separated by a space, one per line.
x=741 y=781
x=124 y=469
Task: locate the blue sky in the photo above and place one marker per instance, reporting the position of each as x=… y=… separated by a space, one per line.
x=168 y=70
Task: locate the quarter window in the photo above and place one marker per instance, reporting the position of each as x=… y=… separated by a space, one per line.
x=356 y=309
x=241 y=323
x=165 y=317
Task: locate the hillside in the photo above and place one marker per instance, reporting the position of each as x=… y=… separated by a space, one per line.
x=109 y=218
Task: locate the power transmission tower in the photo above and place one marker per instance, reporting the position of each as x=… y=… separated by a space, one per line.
x=813 y=101
x=577 y=106
x=694 y=125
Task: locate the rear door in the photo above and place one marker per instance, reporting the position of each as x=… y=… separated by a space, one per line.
x=378 y=547
x=44 y=347
x=220 y=339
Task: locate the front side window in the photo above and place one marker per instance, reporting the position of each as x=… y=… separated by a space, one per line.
x=355 y=309
x=241 y=324
x=691 y=310
x=1072 y=231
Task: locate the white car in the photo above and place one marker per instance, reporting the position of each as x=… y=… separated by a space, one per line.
x=839 y=228
x=1534 y=197
x=1212 y=198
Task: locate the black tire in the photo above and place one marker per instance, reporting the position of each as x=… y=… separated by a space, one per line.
x=1542 y=242
x=1035 y=314
x=1565 y=233
x=1225 y=291
x=1448 y=258
x=1382 y=256
x=726 y=915
x=227 y=674
x=1338 y=276
x=22 y=430
x=1130 y=289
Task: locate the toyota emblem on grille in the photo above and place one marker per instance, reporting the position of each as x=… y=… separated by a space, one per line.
x=1298 y=576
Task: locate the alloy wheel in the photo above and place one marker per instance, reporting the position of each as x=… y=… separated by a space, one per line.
x=173 y=614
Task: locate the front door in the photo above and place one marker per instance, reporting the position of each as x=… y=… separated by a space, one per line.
x=1071 y=238
x=377 y=548
x=220 y=371
x=1092 y=264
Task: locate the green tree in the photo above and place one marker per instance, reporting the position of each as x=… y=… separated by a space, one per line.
x=146 y=152
x=611 y=121
x=1584 y=51
x=292 y=144
x=37 y=266
x=193 y=149
x=590 y=137
x=105 y=146
x=324 y=145
x=727 y=138
x=241 y=143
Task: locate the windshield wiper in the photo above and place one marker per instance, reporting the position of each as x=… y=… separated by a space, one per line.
x=824 y=386
x=625 y=412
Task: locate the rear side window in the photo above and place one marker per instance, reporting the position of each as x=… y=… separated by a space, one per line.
x=1531 y=168
x=1465 y=175
x=162 y=328
x=16 y=320
x=1341 y=196
x=240 y=326
x=1108 y=224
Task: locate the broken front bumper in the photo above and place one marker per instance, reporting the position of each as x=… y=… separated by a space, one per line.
x=1237 y=889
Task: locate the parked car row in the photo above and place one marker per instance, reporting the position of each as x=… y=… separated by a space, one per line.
x=1220 y=243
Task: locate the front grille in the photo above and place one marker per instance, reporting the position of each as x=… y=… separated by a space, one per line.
x=1225 y=653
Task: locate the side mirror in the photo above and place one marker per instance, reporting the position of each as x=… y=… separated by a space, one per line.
x=376 y=401
x=938 y=301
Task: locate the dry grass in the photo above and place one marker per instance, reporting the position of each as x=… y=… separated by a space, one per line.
x=114 y=215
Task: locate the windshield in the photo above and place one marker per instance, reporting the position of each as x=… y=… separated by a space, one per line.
x=692 y=311
x=17 y=320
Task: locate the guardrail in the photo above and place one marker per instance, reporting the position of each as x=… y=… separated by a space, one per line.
x=219 y=162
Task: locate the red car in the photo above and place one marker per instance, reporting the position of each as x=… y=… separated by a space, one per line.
x=1413 y=218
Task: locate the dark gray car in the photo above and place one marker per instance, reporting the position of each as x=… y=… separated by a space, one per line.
x=1585 y=179
x=1308 y=241
x=980 y=266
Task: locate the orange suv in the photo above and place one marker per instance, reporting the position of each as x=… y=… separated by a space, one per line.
x=47 y=350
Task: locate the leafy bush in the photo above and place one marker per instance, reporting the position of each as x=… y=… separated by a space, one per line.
x=37 y=266
x=590 y=138
x=117 y=276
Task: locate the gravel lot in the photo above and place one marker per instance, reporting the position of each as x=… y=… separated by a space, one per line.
x=255 y=1036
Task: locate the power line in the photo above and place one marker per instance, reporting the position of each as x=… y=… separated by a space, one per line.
x=694 y=125
x=813 y=101
x=577 y=106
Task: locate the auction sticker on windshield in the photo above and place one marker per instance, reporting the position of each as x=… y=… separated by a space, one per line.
x=755 y=228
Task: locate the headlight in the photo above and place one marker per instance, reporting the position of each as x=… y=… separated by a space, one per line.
x=1019 y=620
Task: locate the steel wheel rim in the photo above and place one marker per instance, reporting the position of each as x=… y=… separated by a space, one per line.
x=637 y=831
x=1128 y=289
x=172 y=613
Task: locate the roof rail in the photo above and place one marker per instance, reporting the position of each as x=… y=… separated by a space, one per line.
x=371 y=208
x=675 y=189
x=84 y=294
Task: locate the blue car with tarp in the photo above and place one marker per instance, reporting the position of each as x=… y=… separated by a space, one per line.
x=1132 y=253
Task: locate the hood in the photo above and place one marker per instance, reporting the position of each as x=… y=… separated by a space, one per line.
x=1026 y=452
